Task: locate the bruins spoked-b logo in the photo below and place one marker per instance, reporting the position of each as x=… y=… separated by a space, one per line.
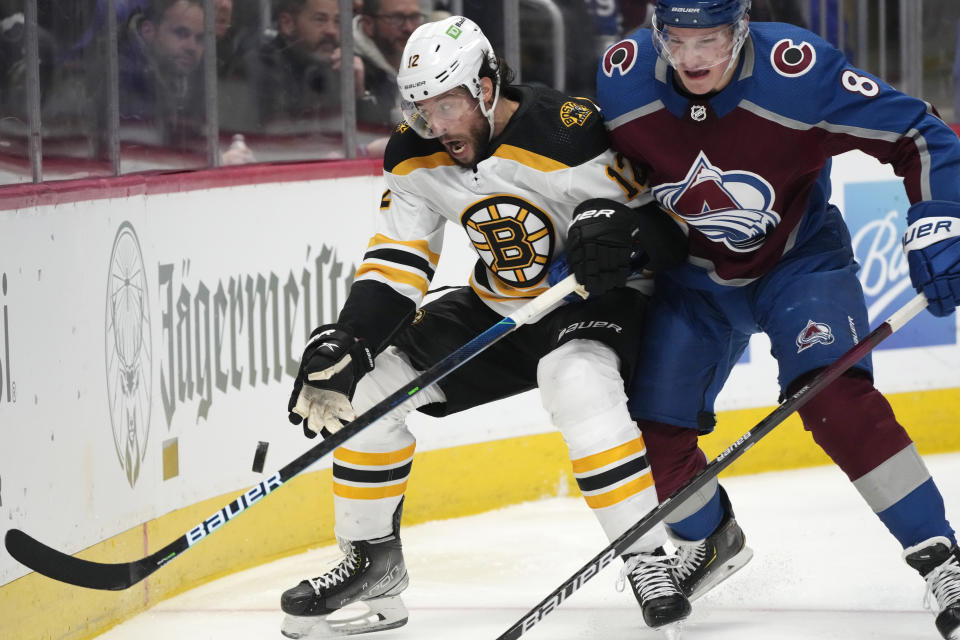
x=513 y=238
x=129 y=357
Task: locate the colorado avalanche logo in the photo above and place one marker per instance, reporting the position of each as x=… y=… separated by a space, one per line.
x=792 y=60
x=619 y=57
x=814 y=333
x=729 y=207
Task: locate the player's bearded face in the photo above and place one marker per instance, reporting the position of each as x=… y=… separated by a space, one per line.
x=701 y=57
x=454 y=117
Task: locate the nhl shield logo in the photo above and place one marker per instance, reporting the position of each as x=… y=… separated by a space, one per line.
x=698 y=113
x=814 y=333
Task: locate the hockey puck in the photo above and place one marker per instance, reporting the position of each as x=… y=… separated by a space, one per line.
x=260 y=456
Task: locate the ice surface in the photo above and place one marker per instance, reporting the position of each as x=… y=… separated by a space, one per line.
x=824 y=567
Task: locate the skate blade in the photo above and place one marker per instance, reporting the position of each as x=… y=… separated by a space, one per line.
x=729 y=568
x=671 y=631
x=376 y=614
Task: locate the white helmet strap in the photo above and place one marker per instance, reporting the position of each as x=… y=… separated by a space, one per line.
x=489 y=113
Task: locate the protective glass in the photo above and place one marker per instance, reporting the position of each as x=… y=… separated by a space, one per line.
x=696 y=49
x=397 y=19
x=433 y=117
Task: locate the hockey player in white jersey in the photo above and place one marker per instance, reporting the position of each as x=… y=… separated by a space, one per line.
x=513 y=165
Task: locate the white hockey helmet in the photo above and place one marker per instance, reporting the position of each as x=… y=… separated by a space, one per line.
x=440 y=56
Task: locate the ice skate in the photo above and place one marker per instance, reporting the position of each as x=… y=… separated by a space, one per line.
x=938 y=561
x=662 y=603
x=706 y=563
x=371 y=576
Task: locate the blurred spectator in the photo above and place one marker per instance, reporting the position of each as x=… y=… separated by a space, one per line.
x=299 y=70
x=233 y=84
x=236 y=42
x=635 y=14
x=536 y=45
x=13 y=60
x=788 y=11
x=834 y=20
x=233 y=41
x=607 y=22
x=380 y=33
x=161 y=81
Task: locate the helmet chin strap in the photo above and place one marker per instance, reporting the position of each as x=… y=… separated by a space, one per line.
x=488 y=113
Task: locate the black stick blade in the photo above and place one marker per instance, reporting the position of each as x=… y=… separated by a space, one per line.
x=82 y=573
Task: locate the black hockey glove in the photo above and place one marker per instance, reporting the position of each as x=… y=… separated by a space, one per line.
x=663 y=241
x=602 y=244
x=332 y=364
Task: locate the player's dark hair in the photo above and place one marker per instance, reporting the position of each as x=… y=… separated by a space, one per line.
x=489 y=70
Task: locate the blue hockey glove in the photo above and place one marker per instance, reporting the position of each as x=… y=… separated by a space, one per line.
x=332 y=364
x=932 y=245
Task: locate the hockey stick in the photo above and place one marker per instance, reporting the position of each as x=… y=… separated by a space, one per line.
x=718 y=464
x=96 y=575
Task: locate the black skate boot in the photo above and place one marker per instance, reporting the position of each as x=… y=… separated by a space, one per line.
x=662 y=603
x=938 y=561
x=372 y=573
x=706 y=563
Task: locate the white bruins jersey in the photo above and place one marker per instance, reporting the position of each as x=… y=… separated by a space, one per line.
x=515 y=204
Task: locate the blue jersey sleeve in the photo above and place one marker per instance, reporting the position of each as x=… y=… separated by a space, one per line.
x=627 y=75
x=856 y=110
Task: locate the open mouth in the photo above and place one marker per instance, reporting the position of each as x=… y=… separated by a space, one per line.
x=455 y=147
x=697 y=74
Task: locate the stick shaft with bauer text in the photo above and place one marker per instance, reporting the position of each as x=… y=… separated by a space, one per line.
x=718 y=464
x=117 y=576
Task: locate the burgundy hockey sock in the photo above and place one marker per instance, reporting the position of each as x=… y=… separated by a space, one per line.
x=853 y=423
x=673 y=455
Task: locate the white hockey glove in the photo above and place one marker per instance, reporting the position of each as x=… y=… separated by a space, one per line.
x=332 y=364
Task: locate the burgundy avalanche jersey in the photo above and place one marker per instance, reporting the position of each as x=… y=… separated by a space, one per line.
x=748 y=168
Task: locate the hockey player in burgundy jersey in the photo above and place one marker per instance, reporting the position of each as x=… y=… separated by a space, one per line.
x=735 y=124
x=512 y=165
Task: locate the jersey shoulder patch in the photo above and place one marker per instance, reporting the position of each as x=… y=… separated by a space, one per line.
x=407 y=150
x=564 y=129
x=627 y=75
x=793 y=52
x=801 y=75
x=621 y=57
